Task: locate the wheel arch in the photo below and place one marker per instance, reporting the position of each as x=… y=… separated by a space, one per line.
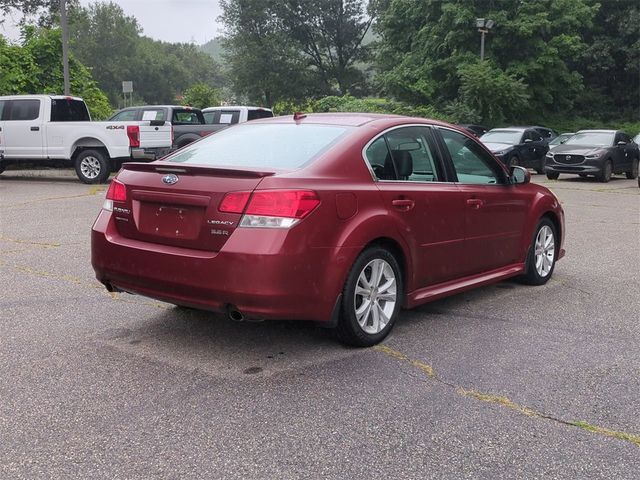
x=88 y=143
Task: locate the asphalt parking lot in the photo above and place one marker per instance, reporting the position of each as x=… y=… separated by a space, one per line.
x=507 y=381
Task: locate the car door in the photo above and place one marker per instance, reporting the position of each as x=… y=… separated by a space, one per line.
x=619 y=154
x=23 y=128
x=495 y=211
x=428 y=211
x=629 y=151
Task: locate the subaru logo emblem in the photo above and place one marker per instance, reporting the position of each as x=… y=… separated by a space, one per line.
x=170 y=179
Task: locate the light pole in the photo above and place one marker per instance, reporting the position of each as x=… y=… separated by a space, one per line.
x=484 y=25
x=65 y=46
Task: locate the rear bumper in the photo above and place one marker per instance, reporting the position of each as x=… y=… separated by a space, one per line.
x=262 y=281
x=149 y=154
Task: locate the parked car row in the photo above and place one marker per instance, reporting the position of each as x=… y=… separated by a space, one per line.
x=597 y=153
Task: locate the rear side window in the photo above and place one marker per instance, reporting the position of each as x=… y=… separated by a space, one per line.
x=68 y=110
x=223 y=117
x=260 y=113
x=22 y=110
x=2 y=102
x=185 y=117
x=279 y=146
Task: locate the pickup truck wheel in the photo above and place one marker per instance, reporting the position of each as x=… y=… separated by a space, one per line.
x=2 y=167
x=92 y=167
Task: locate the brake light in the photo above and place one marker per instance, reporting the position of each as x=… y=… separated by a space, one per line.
x=117 y=192
x=133 y=132
x=271 y=208
x=234 y=202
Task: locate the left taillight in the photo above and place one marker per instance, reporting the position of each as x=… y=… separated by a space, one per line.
x=133 y=132
x=117 y=192
x=270 y=208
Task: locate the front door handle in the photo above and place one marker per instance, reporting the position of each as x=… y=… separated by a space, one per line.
x=475 y=202
x=35 y=129
x=403 y=204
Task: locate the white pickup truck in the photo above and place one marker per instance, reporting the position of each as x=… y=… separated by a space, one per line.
x=56 y=130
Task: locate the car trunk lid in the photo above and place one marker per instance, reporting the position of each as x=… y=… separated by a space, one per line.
x=178 y=205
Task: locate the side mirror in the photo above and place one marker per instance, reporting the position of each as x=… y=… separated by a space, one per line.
x=519 y=175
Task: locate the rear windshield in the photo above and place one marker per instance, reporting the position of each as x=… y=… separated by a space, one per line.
x=69 y=110
x=279 y=146
x=260 y=113
x=223 y=117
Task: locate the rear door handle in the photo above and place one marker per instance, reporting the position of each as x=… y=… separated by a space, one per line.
x=404 y=204
x=35 y=129
x=475 y=202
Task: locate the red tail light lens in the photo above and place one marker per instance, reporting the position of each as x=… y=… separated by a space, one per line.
x=133 y=132
x=117 y=191
x=234 y=202
x=283 y=203
x=270 y=208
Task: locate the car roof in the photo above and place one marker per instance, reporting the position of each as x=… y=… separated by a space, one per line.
x=350 y=119
x=232 y=107
x=598 y=131
x=509 y=129
x=160 y=106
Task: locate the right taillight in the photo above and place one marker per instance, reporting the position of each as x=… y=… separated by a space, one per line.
x=133 y=132
x=117 y=192
x=270 y=208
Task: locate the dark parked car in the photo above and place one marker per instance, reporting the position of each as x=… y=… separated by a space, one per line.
x=523 y=146
x=477 y=130
x=600 y=153
x=342 y=219
x=188 y=123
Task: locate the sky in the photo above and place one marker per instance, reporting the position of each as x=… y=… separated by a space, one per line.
x=190 y=21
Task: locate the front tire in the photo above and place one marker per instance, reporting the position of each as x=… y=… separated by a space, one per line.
x=633 y=173
x=605 y=174
x=372 y=298
x=541 y=259
x=92 y=167
x=514 y=161
x=553 y=175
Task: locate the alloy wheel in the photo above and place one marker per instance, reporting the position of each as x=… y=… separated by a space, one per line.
x=375 y=296
x=545 y=251
x=90 y=167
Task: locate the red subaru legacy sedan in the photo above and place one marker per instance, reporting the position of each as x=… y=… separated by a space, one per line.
x=336 y=218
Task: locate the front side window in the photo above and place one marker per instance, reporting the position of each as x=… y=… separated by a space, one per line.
x=403 y=154
x=23 y=110
x=2 y=102
x=471 y=163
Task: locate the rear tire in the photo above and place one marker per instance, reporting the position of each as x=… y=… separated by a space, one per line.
x=541 y=259
x=633 y=173
x=372 y=298
x=605 y=174
x=92 y=167
x=553 y=175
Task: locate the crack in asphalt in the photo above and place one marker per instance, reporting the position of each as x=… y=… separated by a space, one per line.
x=28 y=242
x=92 y=192
x=505 y=401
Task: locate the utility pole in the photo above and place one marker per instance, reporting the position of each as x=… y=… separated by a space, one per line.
x=65 y=46
x=484 y=26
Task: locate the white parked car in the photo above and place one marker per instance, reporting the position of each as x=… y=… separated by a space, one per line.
x=234 y=114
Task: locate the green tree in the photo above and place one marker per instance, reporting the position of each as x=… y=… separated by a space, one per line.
x=610 y=64
x=35 y=67
x=425 y=45
x=201 y=95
